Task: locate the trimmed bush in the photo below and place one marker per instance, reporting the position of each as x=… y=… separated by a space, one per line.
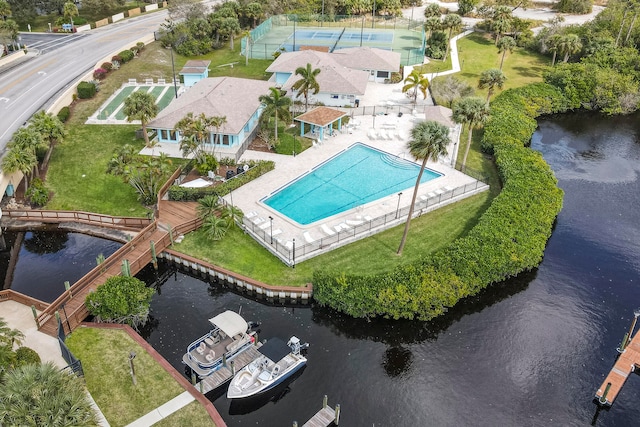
x=116 y=58
x=86 y=90
x=509 y=238
x=63 y=114
x=27 y=356
x=125 y=56
x=107 y=66
x=121 y=299
x=38 y=193
x=99 y=74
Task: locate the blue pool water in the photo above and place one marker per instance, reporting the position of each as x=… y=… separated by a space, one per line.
x=358 y=175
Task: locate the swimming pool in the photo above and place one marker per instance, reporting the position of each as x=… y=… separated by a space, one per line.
x=354 y=177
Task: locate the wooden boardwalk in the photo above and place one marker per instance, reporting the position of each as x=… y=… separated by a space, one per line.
x=224 y=374
x=323 y=418
x=173 y=219
x=627 y=362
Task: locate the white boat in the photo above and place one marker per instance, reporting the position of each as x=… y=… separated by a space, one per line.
x=230 y=336
x=277 y=362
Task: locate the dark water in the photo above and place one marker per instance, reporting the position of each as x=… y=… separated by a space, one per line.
x=46 y=259
x=528 y=352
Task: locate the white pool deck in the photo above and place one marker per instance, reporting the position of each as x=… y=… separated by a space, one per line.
x=289 y=168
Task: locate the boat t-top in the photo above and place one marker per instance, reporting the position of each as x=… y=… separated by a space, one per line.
x=230 y=336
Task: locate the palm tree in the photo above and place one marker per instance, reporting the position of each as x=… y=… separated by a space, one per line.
x=217 y=122
x=141 y=106
x=275 y=104
x=568 y=45
x=432 y=10
x=453 y=22
x=247 y=47
x=506 y=44
x=44 y=395
x=553 y=43
x=254 y=11
x=208 y=206
x=472 y=111
x=232 y=214
x=432 y=24
x=428 y=141
x=195 y=133
x=490 y=79
x=9 y=336
x=501 y=21
x=51 y=129
x=215 y=227
x=69 y=11
x=5 y=9
x=307 y=83
x=416 y=82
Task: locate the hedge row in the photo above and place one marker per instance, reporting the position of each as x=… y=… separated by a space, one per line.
x=509 y=238
x=256 y=169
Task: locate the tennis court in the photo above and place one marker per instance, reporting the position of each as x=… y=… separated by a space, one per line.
x=288 y=33
x=111 y=111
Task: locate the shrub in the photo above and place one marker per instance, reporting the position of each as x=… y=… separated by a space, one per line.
x=99 y=73
x=116 y=58
x=37 y=194
x=107 y=66
x=121 y=299
x=209 y=163
x=86 y=90
x=395 y=78
x=140 y=46
x=125 y=56
x=256 y=169
x=27 y=356
x=116 y=65
x=509 y=238
x=63 y=114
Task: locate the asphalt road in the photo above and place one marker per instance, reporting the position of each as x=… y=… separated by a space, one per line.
x=34 y=84
x=46 y=42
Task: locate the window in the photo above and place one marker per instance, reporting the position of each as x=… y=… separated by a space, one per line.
x=172 y=135
x=383 y=74
x=163 y=134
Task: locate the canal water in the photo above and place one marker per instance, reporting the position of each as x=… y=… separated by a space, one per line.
x=531 y=351
x=37 y=263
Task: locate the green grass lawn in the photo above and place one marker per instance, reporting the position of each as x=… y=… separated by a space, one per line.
x=78 y=176
x=477 y=53
x=105 y=359
x=238 y=252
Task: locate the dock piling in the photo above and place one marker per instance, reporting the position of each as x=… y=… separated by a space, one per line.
x=337 y=420
x=35 y=315
x=603 y=399
x=325 y=401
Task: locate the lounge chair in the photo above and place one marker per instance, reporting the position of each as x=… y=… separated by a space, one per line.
x=288 y=244
x=439 y=191
x=372 y=134
x=400 y=136
x=258 y=220
x=264 y=225
x=382 y=134
x=307 y=237
x=448 y=188
x=276 y=232
x=368 y=218
x=353 y=222
x=431 y=194
x=251 y=214
x=327 y=230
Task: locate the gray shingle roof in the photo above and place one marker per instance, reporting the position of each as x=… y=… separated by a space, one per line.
x=195 y=67
x=234 y=98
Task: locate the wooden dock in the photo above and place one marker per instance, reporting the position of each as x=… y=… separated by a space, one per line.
x=175 y=218
x=324 y=417
x=627 y=363
x=224 y=374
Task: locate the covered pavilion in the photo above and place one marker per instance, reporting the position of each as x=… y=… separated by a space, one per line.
x=320 y=119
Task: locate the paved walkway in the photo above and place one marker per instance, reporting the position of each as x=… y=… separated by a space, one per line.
x=20 y=317
x=164 y=411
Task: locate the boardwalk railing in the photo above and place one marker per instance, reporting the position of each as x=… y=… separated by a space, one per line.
x=88 y=279
x=295 y=252
x=165 y=187
x=10 y=295
x=54 y=217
